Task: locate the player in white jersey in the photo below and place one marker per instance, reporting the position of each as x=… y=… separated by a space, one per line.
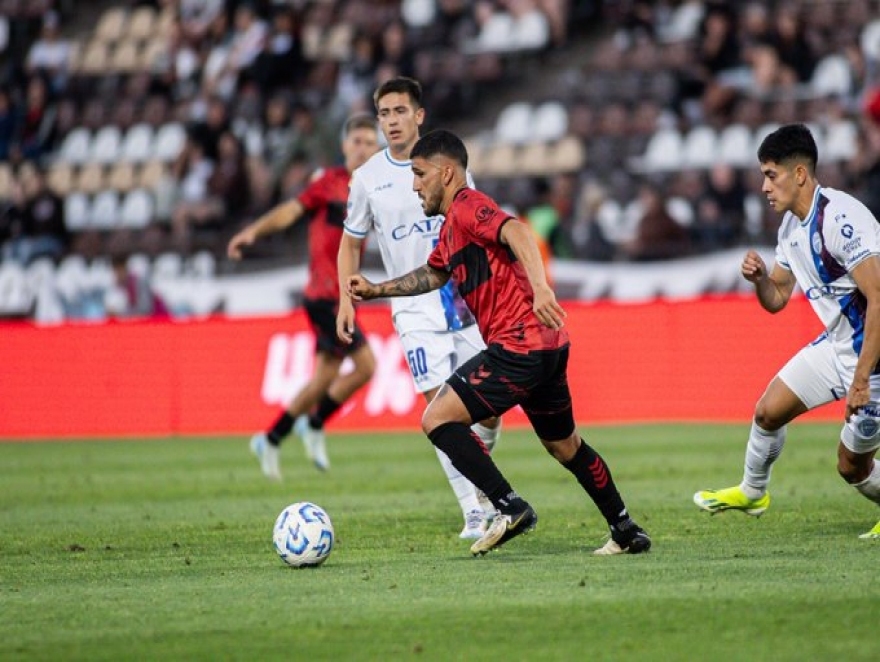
x=437 y=331
x=829 y=246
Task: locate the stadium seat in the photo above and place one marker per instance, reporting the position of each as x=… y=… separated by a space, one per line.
x=476 y=152
x=735 y=146
x=90 y=178
x=60 y=178
x=550 y=121
x=121 y=177
x=14 y=296
x=533 y=159
x=841 y=141
x=138 y=264
x=531 y=31
x=700 y=147
x=141 y=24
x=76 y=146
x=664 y=151
x=514 y=124
x=137 y=143
x=832 y=76
x=201 y=265
x=76 y=211
x=684 y=22
x=869 y=41
x=95 y=59
x=496 y=34
x=500 y=160
x=105 y=210
x=106 y=145
x=151 y=174
x=170 y=139
x=154 y=51
x=6 y=181
x=71 y=276
x=137 y=209
x=111 y=25
x=40 y=273
x=681 y=210
x=567 y=155
x=167 y=266
x=126 y=58
x=418 y=13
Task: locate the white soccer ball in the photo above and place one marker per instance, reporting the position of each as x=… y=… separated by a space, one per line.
x=303 y=535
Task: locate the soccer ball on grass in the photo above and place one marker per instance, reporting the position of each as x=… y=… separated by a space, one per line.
x=303 y=535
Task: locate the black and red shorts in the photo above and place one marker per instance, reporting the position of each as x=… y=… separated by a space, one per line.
x=322 y=317
x=496 y=380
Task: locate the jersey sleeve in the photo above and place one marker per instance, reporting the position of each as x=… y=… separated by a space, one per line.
x=438 y=257
x=485 y=219
x=850 y=235
x=315 y=194
x=359 y=216
x=782 y=258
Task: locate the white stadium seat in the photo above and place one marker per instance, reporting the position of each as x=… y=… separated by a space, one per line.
x=170 y=139
x=76 y=211
x=700 y=147
x=105 y=210
x=550 y=121
x=735 y=146
x=106 y=145
x=137 y=144
x=137 y=209
x=514 y=123
x=76 y=147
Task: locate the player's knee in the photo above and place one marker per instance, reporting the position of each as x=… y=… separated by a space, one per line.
x=563 y=450
x=853 y=469
x=767 y=419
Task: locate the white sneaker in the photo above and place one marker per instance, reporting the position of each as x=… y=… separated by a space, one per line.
x=268 y=455
x=474 y=526
x=314 y=442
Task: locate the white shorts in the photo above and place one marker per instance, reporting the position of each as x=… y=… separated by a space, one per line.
x=434 y=355
x=816 y=377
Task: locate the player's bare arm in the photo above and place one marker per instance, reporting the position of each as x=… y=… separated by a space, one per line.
x=276 y=219
x=348 y=261
x=418 y=281
x=866 y=274
x=518 y=236
x=773 y=289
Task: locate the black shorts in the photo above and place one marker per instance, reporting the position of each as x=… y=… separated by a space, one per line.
x=496 y=380
x=322 y=317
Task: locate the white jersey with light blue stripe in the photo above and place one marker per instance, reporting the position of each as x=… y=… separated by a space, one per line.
x=381 y=198
x=821 y=250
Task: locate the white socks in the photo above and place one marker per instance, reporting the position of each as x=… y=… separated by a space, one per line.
x=762 y=450
x=870 y=487
x=489 y=436
x=464 y=489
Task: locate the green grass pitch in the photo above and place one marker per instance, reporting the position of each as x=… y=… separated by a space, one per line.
x=161 y=550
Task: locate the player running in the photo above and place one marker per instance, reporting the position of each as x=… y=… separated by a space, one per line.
x=829 y=246
x=436 y=330
x=325 y=199
x=497 y=267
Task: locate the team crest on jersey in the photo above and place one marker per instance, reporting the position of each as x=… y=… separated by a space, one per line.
x=483 y=213
x=867 y=427
x=816 y=240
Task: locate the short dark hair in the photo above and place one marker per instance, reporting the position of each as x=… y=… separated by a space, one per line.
x=400 y=85
x=442 y=142
x=359 y=121
x=787 y=143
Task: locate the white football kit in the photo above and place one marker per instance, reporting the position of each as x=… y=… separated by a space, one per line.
x=821 y=251
x=437 y=331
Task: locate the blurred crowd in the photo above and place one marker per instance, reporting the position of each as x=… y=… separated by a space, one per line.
x=159 y=126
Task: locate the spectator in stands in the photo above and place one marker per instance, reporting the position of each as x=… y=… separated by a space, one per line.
x=789 y=41
x=39 y=229
x=226 y=196
x=231 y=59
x=720 y=213
x=658 y=235
x=215 y=123
x=49 y=56
x=588 y=238
x=7 y=123
x=395 y=50
x=313 y=143
x=197 y=16
x=35 y=130
x=355 y=80
x=281 y=64
x=133 y=295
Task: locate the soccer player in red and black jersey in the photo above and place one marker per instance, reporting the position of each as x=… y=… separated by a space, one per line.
x=497 y=266
x=324 y=201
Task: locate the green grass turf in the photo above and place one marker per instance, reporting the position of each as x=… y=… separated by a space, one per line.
x=161 y=550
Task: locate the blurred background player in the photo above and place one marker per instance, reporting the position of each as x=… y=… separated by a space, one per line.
x=829 y=246
x=325 y=199
x=437 y=331
x=499 y=270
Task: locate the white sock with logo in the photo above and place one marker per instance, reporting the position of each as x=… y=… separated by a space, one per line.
x=489 y=436
x=870 y=487
x=761 y=452
x=464 y=489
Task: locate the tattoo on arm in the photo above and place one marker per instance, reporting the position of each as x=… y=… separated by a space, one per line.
x=418 y=281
